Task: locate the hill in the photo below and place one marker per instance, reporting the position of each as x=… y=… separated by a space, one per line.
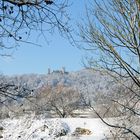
x=61 y=88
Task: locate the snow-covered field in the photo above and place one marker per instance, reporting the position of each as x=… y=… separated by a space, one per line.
x=32 y=128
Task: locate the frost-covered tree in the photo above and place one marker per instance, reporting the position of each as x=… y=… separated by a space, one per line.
x=60 y=100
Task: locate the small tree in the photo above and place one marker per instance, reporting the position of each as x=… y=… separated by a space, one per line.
x=10 y=95
x=61 y=100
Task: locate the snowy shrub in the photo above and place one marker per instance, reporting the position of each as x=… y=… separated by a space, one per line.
x=57 y=128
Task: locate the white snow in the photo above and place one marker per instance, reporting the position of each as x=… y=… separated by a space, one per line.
x=31 y=128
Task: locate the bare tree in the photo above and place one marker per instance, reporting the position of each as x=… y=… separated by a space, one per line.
x=59 y=100
x=19 y=19
x=112 y=32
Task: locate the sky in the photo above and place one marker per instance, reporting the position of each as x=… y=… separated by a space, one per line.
x=56 y=53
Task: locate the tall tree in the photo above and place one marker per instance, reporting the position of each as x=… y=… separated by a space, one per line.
x=112 y=32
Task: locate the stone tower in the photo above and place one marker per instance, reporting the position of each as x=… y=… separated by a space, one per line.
x=49 y=71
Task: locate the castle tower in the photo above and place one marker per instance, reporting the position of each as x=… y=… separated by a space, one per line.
x=49 y=71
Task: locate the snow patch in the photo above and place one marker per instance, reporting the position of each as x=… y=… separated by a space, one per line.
x=30 y=128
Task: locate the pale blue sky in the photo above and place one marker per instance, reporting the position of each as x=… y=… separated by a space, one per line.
x=55 y=54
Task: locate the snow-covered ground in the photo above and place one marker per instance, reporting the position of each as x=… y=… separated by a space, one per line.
x=31 y=128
